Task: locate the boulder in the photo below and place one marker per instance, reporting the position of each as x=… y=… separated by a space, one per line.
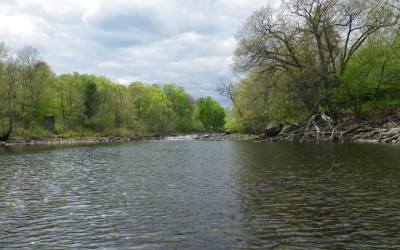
x=273 y=129
x=390 y=125
x=394 y=131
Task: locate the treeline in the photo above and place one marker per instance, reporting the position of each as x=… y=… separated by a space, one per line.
x=88 y=104
x=308 y=57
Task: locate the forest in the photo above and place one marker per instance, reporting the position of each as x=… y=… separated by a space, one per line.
x=93 y=105
x=305 y=57
x=336 y=58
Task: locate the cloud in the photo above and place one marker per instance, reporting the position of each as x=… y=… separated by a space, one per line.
x=186 y=42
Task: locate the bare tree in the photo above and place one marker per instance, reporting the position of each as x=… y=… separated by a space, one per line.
x=227 y=88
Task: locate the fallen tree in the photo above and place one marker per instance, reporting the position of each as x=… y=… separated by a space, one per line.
x=322 y=128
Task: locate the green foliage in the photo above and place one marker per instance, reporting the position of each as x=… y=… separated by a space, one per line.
x=7 y=92
x=234 y=124
x=371 y=79
x=90 y=99
x=33 y=132
x=210 y=113
x=181 y=107
x=88 y=105
x=298 y=59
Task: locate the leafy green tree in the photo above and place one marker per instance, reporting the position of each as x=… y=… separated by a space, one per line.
x=87 y=103
x=180 y=108
x=91 y=99
x=45 y=96
x=371 y=77
x=8 y=94
x=296 y=58
x=27 y=89
x=210 y=113
x=150 y=104
x=307 y=42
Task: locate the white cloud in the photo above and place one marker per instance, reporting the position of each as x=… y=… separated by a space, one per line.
x=186 y=42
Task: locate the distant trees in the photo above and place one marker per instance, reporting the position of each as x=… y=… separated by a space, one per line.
x=25 y=80
x=83 y=104
x=297 y=59
x=210 y=113
x=8 y=103
x=181 y=108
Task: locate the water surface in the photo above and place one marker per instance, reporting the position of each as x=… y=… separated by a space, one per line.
x=198 y=194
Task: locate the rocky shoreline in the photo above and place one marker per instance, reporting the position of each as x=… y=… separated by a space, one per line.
x=356 y=134
x=83 y=140
x=363 y=133
x=225 y=137
x=321 y=128
x=59 y=141
x=359 y=134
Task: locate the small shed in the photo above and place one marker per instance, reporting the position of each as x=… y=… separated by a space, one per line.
x=49 y=122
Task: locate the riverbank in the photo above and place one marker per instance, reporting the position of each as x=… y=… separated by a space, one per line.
x=321 y=128
x=225 y=137
x=318 y=130
x=356 y=133
x=198 y=136
x=59 y=140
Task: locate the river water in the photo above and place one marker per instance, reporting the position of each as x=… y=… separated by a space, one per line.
x=200 y=195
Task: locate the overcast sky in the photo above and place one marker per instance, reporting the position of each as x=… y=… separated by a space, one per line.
x=186 y=42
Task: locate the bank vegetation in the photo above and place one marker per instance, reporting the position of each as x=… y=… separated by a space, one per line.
x=319 y=67
x=89 y=105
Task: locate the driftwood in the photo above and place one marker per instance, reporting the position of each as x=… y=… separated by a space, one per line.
x=320 y=127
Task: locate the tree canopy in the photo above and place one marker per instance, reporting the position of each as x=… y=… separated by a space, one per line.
x=88 y=104
x=308 y=56
x=210 y=113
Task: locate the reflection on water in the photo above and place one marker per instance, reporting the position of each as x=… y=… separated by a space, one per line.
x=198 y=194
x=330 y=196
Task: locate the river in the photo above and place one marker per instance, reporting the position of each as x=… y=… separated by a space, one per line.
x=200 y=195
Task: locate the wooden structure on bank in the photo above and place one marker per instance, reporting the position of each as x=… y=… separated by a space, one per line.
x=49 y=122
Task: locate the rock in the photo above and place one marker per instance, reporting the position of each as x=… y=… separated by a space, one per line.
x=390 y=125
x=273 y=129
x=394 y=131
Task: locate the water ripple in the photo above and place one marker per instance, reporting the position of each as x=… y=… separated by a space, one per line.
x=196 y=194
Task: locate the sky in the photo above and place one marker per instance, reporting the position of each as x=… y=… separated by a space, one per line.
x=189 y=43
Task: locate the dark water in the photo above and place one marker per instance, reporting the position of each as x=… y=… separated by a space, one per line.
x=200 y=195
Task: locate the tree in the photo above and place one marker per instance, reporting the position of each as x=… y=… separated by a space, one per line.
x=29 y=90
x=44 y=92
x=8 y=101
x=228 y=89
x=85 y=103
x=91 y=98
x=150 y=105
x=310 y=42
x=371 y=77
x=180 y=107
x=210 y=113
x=294 y=59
